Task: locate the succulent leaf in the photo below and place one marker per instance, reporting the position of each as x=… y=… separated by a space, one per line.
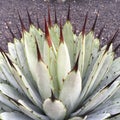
x=54 y=109
x=97 y=68
x=69 y=39
x=30 y=51
x=54 y=33
x=43 y=80
x=88 y=50
x=7 y=76
x=63 y=63
x=73 y=84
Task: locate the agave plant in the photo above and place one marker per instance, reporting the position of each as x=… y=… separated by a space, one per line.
x=59 y=75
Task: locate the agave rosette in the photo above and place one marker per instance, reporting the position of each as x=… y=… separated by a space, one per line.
x=58 y=75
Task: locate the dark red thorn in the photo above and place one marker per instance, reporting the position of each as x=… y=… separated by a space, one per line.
x=53 y=98
x=112 y=40
x=21 y=22
x=94 y=24
x=61 y=33
x=68 y=15
x=47 y=35
x=19 y=32
x=55 y=17
x=100 y=33
x=29 y=18
x=38 y=51
x=38 y=25
x=84 y=25
x=10 y=30
x=49 y=17
x=76 y=67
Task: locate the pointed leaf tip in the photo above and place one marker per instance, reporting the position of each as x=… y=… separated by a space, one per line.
x=94 y=24
x=38 y=51
x=55 y=16
x=38 y=25
x=49 y=17
x=84 y=25
x=8 y=59
x=68 y=15
x=29 y=18
x=61 y=33
x=13 y=36
x=52 y=96
x=112 y=40
x=47 y=35
x=21 y=22
x=76 y=67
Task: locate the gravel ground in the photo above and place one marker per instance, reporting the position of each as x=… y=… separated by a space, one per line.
x=109 y=14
